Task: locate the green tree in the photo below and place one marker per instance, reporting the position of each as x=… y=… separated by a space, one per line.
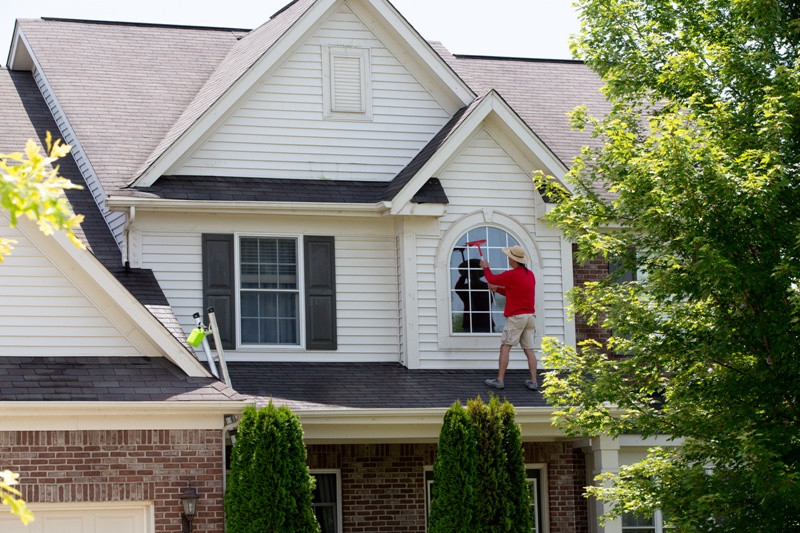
x=694 y=185
x=269 y=488
x=10 y=496
x=455 y=474
x=517 y=494
x=480 y=466
x=492 y=511
x=30 y=186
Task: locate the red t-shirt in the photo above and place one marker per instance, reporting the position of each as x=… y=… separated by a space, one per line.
x=518 y=285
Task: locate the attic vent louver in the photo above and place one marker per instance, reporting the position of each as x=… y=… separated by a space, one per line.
x=348 y=94
x=347 y=91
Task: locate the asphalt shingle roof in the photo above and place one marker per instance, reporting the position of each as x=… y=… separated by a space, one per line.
x=110 y=379
x=264 y=189
x=372 y=385
x=127 y=108
x=242 y=55
x=26 y=116
x=542 y=92
x=123 y=86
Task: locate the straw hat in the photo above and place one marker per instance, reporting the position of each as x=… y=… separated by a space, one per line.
x=517 y=254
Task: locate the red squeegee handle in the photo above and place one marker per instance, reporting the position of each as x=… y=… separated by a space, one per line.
x=478 y=244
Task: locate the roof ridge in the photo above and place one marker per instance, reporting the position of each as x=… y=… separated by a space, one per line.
x=522 y=59
x=141 y=24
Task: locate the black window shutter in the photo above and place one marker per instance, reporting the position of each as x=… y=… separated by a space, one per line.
x=320 y=285
x=218 y=284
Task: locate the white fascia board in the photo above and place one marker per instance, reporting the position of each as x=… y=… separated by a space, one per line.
x=422 y=210
x=435 y=75
x=256 y=208
x=84 y=416
x=90 y=277
x=184 y=146
x=20 y=56
x=406 y=425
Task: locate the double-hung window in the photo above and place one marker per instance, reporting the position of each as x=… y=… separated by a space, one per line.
x=271 y=291
x=327 y=502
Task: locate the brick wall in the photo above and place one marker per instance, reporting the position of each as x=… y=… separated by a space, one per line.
x=133 y=465
x=593 y=270
x=566 y=477
x=383 y=485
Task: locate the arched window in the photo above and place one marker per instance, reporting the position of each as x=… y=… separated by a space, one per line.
x=473 y=308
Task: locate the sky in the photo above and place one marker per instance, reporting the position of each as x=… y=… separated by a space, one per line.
x=509 y=28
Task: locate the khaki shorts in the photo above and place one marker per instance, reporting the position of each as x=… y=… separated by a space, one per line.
x=519 y=329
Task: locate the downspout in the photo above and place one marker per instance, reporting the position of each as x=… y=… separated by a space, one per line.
x=126 y=236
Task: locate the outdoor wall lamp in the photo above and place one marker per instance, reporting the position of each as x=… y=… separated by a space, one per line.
x=189 y=501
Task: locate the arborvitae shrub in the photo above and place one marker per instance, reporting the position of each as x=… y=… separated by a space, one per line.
x=517 y=497
x=455 y=475
x=491 y=510
x=269 y=489
x=487 y=492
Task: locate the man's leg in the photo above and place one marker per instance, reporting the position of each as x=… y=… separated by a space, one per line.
x=505 y=350
x=531 y=355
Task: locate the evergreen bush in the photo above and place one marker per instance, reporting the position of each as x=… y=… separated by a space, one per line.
x=517 y=494
x=480 y=483
x=269 y=489
x=455 y=474
x=491 y=510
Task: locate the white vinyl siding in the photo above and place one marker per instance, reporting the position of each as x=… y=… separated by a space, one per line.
x=42 y=313
x=366 y=284
x=484 y=177
x=280 y=132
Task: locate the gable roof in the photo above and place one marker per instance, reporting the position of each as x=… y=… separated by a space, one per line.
x=490 y=107
x=259 y=52
x=147 y=100
x=123 y=88
x=239 y=59
x=541 y=91
x=26 y=116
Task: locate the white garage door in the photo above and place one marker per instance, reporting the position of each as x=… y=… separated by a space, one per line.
x=128 y=517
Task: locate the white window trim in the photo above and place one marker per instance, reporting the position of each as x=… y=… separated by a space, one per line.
x=426 y=488
x=658 y=524
x=338 y=473
x=544 y=519
x=480 y=342
x=329 y=52
x=301 y=311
